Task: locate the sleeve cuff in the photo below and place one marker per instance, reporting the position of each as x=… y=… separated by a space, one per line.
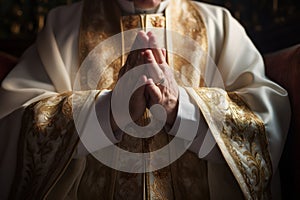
x=191 y=124
x=187 y=112
x=95 y=132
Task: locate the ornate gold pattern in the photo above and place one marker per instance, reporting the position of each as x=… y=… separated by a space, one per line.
x=97 y=181
x=95 y=28
x=47 y=142
x=190 y=182
x=160 y=181
x=158 y=21
x=242 y=139
x=131 y=22
x=183 y=18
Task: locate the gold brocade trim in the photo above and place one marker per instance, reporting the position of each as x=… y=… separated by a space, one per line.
x=97 y=24
x=182 y=17
x=131 y=22
x=158 y=21
x=241 y=136
x=48 y=140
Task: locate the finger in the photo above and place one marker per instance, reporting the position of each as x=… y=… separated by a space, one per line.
x=137 y=103
x=139 y=45
x=153 y=68
x=156 y=49
x=164 y=52
x=133 y=59
x=139 y=59
x=154 y=92
x=141 y=41
x=137 y=97
x=140 y=86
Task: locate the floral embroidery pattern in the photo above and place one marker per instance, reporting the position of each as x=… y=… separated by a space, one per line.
x=241 y=137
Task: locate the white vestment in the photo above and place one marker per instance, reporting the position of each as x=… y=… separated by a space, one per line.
x=49 y=67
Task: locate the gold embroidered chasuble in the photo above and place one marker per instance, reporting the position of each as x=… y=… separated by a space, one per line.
x=48 y=139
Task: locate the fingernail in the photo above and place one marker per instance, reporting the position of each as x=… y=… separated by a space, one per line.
x=150 y=81
x=148 y=53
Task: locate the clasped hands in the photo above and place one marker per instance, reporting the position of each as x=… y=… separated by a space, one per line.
x=155 y=84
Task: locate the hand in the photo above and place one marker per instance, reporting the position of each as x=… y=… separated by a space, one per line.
x=161 y=86
x=137 y=103
x=158 y=83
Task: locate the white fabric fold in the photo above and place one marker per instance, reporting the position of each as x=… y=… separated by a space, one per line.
x=95 y=129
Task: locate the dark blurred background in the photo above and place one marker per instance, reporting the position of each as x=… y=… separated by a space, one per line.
x=271 y=24
x=21 y=20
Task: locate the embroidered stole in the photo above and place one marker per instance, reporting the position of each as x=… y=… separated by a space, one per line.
x=185 y=178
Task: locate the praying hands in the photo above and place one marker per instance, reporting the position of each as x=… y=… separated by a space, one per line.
x=154 y=84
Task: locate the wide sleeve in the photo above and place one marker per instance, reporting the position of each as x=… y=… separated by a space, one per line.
x=249 y=116
x=38 y=133
x=243 y=72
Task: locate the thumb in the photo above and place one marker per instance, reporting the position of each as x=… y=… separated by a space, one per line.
x=140 y=86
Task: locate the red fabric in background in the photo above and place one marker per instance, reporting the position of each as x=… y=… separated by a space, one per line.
x=283 y=67
x=7 y=62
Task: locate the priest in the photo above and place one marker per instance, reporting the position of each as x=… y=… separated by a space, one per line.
x=108 y=81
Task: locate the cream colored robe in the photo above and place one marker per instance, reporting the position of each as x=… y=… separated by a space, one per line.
x=49 y=66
